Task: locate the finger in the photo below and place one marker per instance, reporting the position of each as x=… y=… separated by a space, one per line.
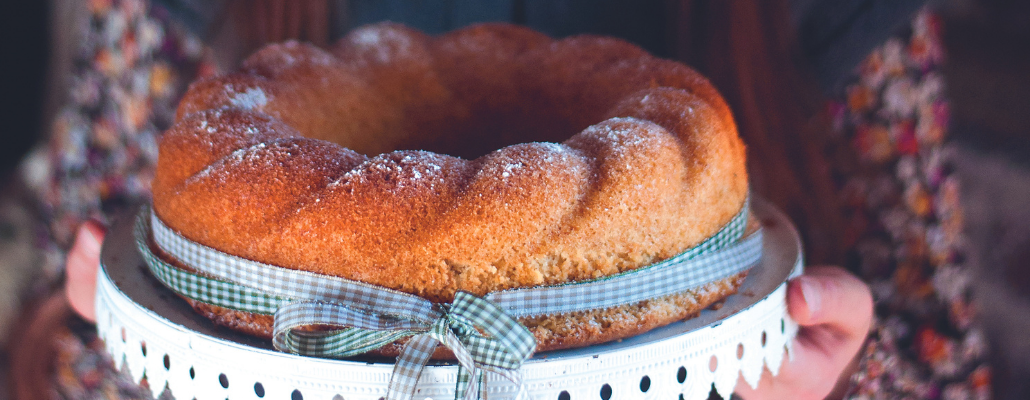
x=81 y=269
x=832 y=297
x=835 y=311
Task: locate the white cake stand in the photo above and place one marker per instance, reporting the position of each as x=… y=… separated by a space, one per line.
x=154 y=334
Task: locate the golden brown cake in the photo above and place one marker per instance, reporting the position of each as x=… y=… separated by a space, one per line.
x=489 y=158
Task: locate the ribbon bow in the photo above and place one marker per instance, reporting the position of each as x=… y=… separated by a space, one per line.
x=479 y=333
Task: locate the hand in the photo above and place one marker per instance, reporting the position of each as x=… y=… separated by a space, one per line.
x=834 y=310
x=81 y=269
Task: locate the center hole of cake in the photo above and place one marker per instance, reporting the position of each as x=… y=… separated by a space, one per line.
x=477 y=132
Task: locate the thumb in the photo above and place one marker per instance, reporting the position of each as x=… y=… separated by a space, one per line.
x=81 y=269
x=833 y=299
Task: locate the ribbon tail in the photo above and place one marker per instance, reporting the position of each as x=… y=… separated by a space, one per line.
x=468 y=371
x=502 y=352
x=482 y=384
x=355 y=333
x=408 y=368
x=466 y=379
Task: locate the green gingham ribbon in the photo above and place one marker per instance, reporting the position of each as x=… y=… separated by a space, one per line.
x=481 y=332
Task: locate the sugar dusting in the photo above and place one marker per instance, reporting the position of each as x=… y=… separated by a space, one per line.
x=295 y=53
x=268 y=157
x=246 y=154
x=249 y=99
x=530 y=157
x=625 y=136
x=510 y=167
x=383 y=43
x=204 y=124
x=400 y=168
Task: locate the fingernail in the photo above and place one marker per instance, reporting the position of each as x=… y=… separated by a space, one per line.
x=810 y=291
x=89 y=237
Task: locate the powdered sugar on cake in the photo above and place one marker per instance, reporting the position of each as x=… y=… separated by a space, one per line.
x=382 y=44
x=399 y=169
x=249 y=99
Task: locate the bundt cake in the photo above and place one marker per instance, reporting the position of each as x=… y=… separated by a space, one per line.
x=488 y=158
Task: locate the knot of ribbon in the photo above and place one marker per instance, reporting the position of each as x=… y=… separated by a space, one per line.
x=479 y=333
